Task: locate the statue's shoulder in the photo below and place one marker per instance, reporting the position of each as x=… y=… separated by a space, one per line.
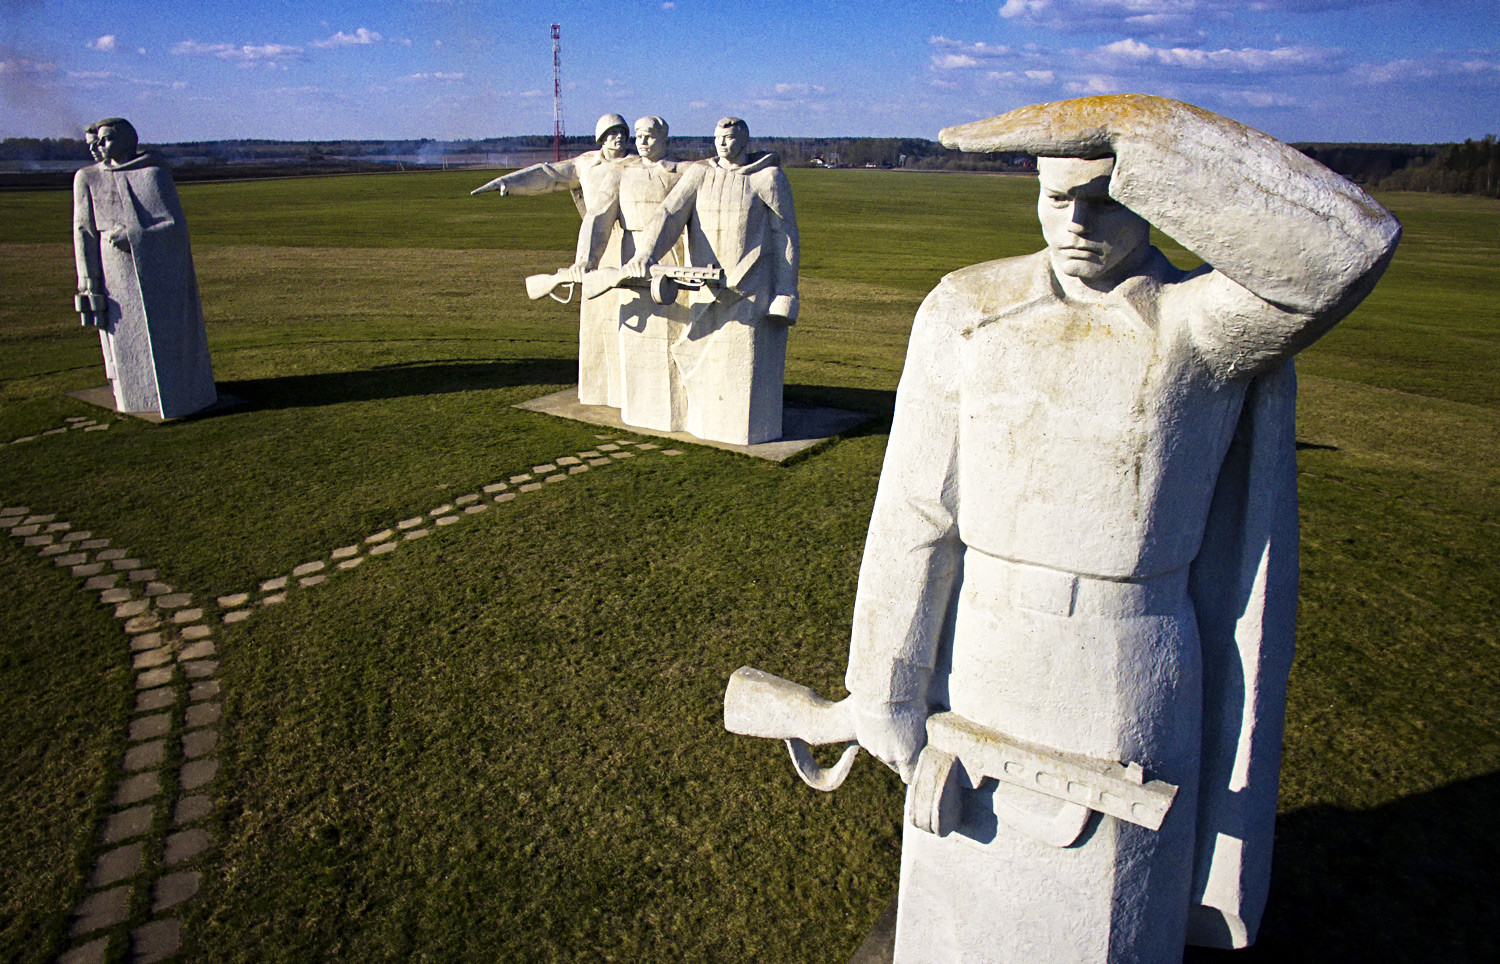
x=991 y=287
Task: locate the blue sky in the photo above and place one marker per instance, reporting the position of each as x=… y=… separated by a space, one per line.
x=1337 y=70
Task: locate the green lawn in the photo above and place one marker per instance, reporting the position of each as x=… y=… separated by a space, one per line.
x=503 y=741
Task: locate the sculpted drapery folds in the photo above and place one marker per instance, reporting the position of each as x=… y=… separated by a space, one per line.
x=1085 y=530
x=586 y=176
x=136 y=281
x=736 y=212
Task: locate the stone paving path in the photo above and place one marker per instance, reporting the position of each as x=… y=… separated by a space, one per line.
x=152 y=837
x=73 y=423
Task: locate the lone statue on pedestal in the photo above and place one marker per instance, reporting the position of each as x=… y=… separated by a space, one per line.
x=1075 y=613
x=136 y=282
x=737 y=213
x=598 y=318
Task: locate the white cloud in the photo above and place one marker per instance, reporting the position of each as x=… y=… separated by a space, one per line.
x=359 y=38
x=104 y=44
x=436 y=75
x=26 y=67
x=799 y=90
x=1244 y=60
x=698 y=104
x=669 y=5
x=243 y=55
x=1154 y=16
x=953 y=61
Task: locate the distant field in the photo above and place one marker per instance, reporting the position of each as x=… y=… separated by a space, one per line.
x=502 y=742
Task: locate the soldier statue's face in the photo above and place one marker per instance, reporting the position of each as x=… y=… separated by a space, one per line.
x=612 y=144
x=1090 y=235
x=649 y=145
x=91 y=141
x=114 y=145
x=731 y=142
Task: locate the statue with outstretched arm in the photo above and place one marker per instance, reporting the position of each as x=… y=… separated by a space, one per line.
x=590 y=177
x=1084 y=541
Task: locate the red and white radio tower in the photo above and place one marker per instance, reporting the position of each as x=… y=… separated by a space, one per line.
x=557 y=124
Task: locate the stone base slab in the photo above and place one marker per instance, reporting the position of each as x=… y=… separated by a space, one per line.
x=104 y=397
x=803 y=426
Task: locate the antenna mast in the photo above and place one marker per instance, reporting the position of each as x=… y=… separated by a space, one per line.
x=557 y=121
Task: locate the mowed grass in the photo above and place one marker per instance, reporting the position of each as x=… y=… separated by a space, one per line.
x=503 y=741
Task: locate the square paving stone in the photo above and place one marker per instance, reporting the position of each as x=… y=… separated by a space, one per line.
x=307 y=582
x=344 y=552
x=233 y=599
x=157 y=699
x=199 y=743
x=150 y=727
x=110 y=555
x=494 y=487
x=418 y=533
x=137 y=574
x=96 y=428
x=157 y=589
x=608 y=447
x=174 y=600
x=54 y=431
x=96 y=544
x=380 y=536
x=156 y=941
x=556 y=478
x=196 y=632
x=307 y=568
x=206 y=690
x=146 y=641
x=102 y=582
x=145 y=756
x=202 y=714
x=383 y=548
x=622 y=455
x=544 y=469
x=531 y=486
x=525 y=477
x=590 y=454
x=567 y=460
x=647 y=446
x=14 y=510
x=199 y=650
x=114 y=595
x=671 y=451
x=30 y=530
x=153 y=678
x=447 y=520
x=124 y=824
x=43 y=540
x=151 y=657
x=200 y=668
x=134 y=789
x=197 y=773
x=476 y=509
x=191 y=808
x=116 y=865
x=47 y=517
x=71 y=559
x=122 y=564
x=505 y=496
x=466 y=499
x=173 y=889
x=443 y=509
x=77 y=536
x=104 y=908
x=578 y=470
x=598 y=462
x=187 y=616
x=275 y=599
x=272 y=585
x=142 y=623
x=88 y=569
x=54 y=550
x=351 y=563
x=237 y=616
x=59 y=527
x=411 y=523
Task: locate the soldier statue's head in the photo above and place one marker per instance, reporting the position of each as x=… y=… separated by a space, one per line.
x=118 y=141
x=651 y=138
x=732 y=139
x=610 y=134
x=1090 y=236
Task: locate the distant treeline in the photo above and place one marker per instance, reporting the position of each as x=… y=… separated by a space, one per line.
x=1472 y=167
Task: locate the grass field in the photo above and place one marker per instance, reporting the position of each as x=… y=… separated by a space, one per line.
x=503 y=742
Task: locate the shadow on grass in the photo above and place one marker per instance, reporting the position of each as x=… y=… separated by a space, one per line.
x=880 y=404
x=1315 y=446
x=1410 y=881
x=400 y=381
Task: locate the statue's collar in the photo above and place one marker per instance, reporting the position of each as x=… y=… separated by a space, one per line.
x=141 y=160
x=757 y=162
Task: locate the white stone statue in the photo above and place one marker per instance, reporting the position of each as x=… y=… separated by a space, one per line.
x=136 y=282
x=736 y=211
x=599 y=318
x=651 y=393
x=1075 y=613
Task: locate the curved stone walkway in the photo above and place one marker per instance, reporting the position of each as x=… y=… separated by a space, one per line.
x=75 y=422
x=152 y=834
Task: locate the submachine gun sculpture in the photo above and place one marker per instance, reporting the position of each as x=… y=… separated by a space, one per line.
x=959 y=754
x=663 y=282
